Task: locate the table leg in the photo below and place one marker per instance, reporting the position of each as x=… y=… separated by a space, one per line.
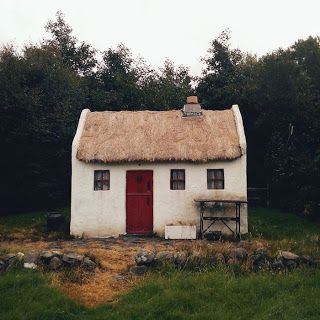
x=238 y=209
x=201 y=220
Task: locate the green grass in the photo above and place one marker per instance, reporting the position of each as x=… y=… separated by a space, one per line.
x=285 y=231
x=30 y=224
x=271 y=224
x=26 y=294
x=180 y=295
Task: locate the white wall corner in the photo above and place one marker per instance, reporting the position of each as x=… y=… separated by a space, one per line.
x=240 y=128
x=76 y=139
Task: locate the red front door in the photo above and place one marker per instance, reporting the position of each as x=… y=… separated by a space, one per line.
x=139 y=202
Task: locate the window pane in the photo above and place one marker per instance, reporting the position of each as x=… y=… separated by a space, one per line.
x=101 y=180
x=177 y=179
x=210 y=174
x=181 y=175
x=181 y=185
x=105 y=185
x=174 y=174
x=219 y=184
x=210 y=184
x=215 y=179
x=219 y=174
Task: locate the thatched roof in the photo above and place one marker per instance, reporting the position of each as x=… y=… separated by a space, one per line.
x=147 y=136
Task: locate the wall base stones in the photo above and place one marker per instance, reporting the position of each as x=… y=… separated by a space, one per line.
x=49 y=260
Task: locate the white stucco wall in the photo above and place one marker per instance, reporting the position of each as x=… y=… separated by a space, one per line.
x=103 y=213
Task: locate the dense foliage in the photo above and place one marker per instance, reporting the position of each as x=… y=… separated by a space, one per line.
x=44 y=88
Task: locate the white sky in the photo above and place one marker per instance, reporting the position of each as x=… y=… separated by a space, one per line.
x=156 y=29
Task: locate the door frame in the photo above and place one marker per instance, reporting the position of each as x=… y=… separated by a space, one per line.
x=152 y=192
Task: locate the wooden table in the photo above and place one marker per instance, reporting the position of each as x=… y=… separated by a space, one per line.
x=224 y=219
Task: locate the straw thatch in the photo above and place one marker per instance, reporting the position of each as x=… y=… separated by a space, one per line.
x=158 y=136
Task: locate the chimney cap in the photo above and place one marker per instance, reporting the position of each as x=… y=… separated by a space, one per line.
x=192 y=100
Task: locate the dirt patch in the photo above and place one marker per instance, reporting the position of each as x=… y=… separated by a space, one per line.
x=100 y=288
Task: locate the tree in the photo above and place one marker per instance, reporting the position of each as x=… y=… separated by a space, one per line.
x=40 y=102
x=119 y=79
x=288 y=113
x=174 y=85
x=220 y=84
x=79 y=56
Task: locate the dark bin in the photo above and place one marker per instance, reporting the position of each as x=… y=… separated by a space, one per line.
x=213 y=235
x=55 y=221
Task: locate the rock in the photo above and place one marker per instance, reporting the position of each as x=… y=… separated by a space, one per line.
x=45 y=257
x=180 y=258
x=239 y=254
x=144 y=257
x=306 y=260
x=31 y=256
x=2 y=266
x=10 y=259
x=260 y=259
x=291 y=264
x=316 y=263
x=138 y=270
x=119 y=277
x=88 y=264
x=9 y=256
x=30 y=265
x=219 y=258
x=20 y=256
x=287 y=255
x=277 y=265
x=72 y=258
x=164 y=256
x=57 y=253
x=55 y=263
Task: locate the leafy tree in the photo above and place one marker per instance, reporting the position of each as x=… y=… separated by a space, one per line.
x=79 y=56
x=219 y=85
x=118 y=78
x=174 y=85
x=288 y=116
x=40 y=102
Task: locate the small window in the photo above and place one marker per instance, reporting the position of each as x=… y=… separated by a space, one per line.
x=215 y=178
x=177 y=179
x=101 y=179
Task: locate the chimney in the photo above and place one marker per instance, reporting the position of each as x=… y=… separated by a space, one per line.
x=192 y=108
x=192 y=100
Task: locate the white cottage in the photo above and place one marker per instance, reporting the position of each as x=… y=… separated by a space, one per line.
x=136 y=172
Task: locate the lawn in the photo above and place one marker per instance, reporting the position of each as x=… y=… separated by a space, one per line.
x=274 y=224
x=29 y=225
x=180 y=295
x=285 y=231
x=183 y=295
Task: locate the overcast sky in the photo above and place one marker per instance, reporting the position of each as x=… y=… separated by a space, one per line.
x=156 y=29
